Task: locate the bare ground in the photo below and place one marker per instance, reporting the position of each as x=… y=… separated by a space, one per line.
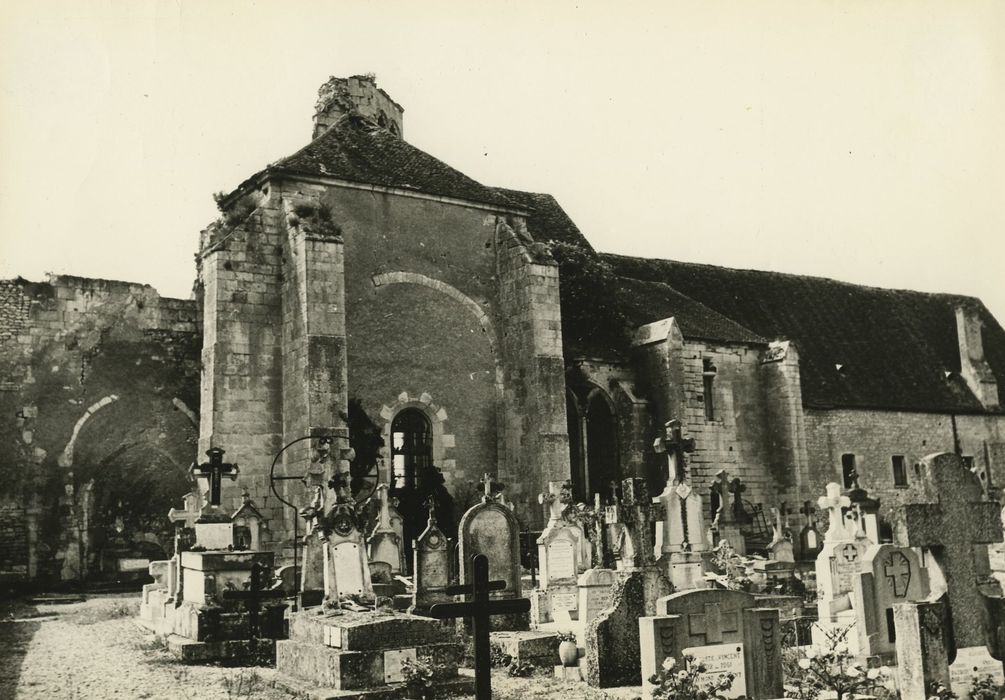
x=93 y=650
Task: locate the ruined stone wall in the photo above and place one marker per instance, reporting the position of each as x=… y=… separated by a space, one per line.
x=97 y=382
x=874 y=437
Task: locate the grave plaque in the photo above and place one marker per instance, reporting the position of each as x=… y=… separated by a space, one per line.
x=345 y=559
x=594 y=593
x=393 y=662
x=720 y=659
x=562 y=600
x=561 y=559
x=972 y=663
x=491 y=529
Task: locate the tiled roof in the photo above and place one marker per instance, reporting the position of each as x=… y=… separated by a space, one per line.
x=358 y=150
x=894 y=346
x=547 y=220
x=645 y=302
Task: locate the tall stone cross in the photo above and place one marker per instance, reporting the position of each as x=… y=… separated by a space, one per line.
x=675 y=445
x=952 y=527
x=737 y=487
x=187 y=516
x=214 y=470
x=638 y=509
x=553 y=502
x=833 y=502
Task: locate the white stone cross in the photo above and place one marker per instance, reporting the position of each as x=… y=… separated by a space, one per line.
x=192 y=510
x=834 y=502
x=553 y=501
x=384 y=522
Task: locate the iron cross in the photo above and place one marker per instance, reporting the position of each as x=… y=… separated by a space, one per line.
x=215 y=469
x=480 y=608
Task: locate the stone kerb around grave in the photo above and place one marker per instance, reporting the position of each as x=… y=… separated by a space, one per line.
x=725 y=631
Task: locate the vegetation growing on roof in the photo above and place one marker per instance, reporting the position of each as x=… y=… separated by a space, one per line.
x=591 y=315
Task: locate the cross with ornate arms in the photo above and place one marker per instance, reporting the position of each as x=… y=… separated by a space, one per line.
x=480 y=608
x=952 y=527
x=214 y=470
x=676 y=446
x=833 y=502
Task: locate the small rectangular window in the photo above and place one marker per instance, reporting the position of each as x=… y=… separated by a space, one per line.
x=899 y=470
x=708 y=372
x=968 y=461
x=848 y=473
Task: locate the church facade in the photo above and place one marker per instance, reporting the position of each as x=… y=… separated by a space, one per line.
x=437 y=330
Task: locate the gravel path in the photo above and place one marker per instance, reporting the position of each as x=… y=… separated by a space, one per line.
x=93 y=650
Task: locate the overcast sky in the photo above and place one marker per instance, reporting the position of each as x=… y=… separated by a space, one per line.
x=858 y=140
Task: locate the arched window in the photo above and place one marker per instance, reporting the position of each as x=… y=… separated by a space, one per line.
x=602 y=464
x=411 y=447
x=593 y=445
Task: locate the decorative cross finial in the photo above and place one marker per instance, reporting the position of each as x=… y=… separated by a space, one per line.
x=431 y=508
x=486 y=481
x=833 y=502
x=675 y=445
x=215 y=470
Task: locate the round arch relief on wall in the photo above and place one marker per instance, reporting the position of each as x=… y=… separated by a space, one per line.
x=437 y=416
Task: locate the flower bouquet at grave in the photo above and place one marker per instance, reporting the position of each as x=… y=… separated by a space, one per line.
x=688 y=683
x=833 y=670
x=418 y=677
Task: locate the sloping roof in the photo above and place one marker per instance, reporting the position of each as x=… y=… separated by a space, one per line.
x=358 y=150
x=547 y=220
x=645 y=302
x=894 y=345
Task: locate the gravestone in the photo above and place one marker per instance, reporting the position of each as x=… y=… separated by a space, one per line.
x=945 y=511
x=431 y=565
x=385 y=545
x=490 y=528
x=810 y=540
x=595 y=589
x=890 y=576
x=612 y=638
x=725 y=631
x=248 y=524
x=725 y=524
x=970 y=664
x=837 y=567
x=347 y=570
x=922 y=652
x=560 y=556
x=214 y=528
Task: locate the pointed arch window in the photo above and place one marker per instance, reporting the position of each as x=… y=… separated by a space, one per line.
x=593 y=444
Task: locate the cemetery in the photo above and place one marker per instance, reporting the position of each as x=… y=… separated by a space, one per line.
x=422 y=467
x=636 y=595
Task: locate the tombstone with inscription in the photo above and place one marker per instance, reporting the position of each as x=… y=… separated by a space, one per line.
x=890 y=575
x=560 y=555
x=431 y=565
x=946 y=511
x=490 y=528
x=725 y=631
x=780 y=564
x=837 y=567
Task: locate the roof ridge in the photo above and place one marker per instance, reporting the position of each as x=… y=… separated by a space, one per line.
x=792 y=275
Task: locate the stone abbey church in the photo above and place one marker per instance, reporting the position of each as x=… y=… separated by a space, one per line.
x=441 y=329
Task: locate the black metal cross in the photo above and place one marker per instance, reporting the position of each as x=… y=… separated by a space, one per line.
x=257 y=592
x=215 y=469
x=480 y=608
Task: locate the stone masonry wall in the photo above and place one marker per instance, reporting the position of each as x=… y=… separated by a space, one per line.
x=73 y=352
x=874 y=437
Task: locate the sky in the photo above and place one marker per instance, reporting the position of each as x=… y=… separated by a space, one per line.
x=861 y=140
